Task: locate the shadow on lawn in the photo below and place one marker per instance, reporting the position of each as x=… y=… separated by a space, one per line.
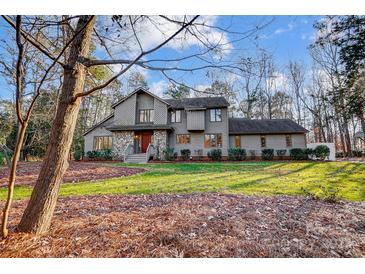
x=253 y=182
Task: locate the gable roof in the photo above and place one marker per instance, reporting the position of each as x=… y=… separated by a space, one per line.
x=198 y=102
x=264 y=126
x=136 y=91
x=107 y=122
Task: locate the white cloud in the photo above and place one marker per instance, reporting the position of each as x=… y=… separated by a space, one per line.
x=153 y=30
x=159 y=87
x=289 y=28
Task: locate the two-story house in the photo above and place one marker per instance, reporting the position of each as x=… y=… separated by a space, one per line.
x=144 y=124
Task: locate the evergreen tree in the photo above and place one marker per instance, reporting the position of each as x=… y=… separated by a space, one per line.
x=177 y=91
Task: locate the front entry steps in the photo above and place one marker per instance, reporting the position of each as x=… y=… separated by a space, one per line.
x=139 y=158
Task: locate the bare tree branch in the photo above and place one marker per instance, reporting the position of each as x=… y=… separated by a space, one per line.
x=31 y=40
x=19 y=70
x=53 y=64
x=143 y=53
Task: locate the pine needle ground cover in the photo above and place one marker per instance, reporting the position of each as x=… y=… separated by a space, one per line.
x=193 y=225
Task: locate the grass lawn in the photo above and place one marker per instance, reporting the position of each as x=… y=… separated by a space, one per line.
x=345 y=179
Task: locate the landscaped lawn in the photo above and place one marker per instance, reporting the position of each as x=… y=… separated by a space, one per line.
x=345 y=180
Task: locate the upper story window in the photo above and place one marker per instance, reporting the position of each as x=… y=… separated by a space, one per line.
x=263 y=141
x=103 y=142
x=146 y=115
x=216 y=115
x=288 y=140
x=213 y=140
x=176 y=116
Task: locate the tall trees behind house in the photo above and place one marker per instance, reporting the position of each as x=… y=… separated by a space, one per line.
x=327 y=97
x=126 y=33
x=324 y=100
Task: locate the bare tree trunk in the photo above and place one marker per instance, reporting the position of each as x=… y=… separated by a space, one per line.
x=362 y=121
x=38 y=214
x=347 y=138
x=12 y=175
x=340 y=129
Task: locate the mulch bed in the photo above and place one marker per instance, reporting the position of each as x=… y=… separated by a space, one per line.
x=27 y=172
x=194 y=225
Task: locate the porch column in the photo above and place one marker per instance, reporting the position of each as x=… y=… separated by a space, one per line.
x=121 y=139
x=159 y=142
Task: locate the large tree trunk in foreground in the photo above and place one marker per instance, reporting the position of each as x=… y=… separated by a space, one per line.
x=38 y=214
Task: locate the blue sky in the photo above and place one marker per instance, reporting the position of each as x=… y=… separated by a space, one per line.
x=286 y=37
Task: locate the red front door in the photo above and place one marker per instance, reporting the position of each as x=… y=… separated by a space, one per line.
x=146 y=140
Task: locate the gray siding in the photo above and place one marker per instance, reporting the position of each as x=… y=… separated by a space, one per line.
x=144 y=101
x=197 y=139
x=195 y=120
x=125 y=113
x=277 y=141
x=160 y=112
x=89 y=138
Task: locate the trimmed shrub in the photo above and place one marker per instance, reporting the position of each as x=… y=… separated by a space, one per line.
x=267 y=154
x=169 y=154
x=93 y=154
x=322 y=152
x=298 y=154
x=185 y=154
x=215 y=154
x=105 y=154
x=340 y=154
x=236 y=154
x=281 y=153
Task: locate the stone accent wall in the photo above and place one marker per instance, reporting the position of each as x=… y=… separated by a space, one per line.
x=160 y=142
x=120 y=141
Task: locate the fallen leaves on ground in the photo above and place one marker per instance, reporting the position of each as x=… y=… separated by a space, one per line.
x=194 y=225
x=27 y=172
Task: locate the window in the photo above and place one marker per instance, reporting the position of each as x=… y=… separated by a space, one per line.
x=216 y=115
x=183 y=139
x=176 y=116
x=103 y=142
x=288 y=141
x=237 y=141
x=213 y=140
x=146 y=116
x=263 y=141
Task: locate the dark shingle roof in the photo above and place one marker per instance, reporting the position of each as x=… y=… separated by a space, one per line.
x=264 y=126
x=198 y=102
